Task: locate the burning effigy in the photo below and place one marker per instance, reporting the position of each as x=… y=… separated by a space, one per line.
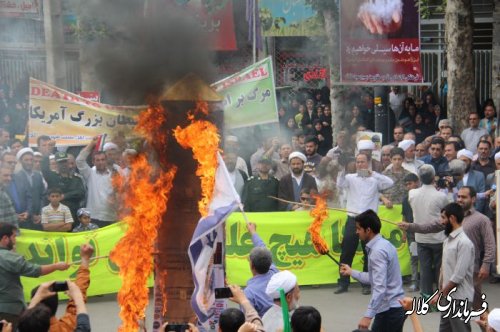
x=169 y=188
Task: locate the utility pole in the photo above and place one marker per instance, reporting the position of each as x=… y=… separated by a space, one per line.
x=54 y=43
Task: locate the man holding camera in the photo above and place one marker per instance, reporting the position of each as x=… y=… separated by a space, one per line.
x=363 y=191
x=67 y=323
x=12 y=267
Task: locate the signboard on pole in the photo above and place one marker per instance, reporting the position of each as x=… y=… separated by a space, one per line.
x=379 y=42
x=249 y=96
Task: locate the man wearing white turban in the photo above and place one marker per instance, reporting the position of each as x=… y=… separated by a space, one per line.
x=367 y=146
x=292 y=184
x=472 y=178
x=286 y=280
x=410 y=163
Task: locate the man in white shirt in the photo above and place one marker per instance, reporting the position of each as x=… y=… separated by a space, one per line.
x=100 y=200
x=363 y=192
x=472 y=134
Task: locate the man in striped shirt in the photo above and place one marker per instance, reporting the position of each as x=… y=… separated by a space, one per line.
x=56 y=217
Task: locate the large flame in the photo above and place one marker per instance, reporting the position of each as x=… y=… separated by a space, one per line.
x=202 y=137
x=145 y=193
x=320 y=214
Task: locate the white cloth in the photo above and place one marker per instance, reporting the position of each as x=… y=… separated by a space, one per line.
x=497 y=156
x=406 y=144
x=100 y=190
x=22 y=152
x=109 y=146
x=273 y=319
x=396 y=103
x=283 y=279
x=427 y=203
x=494 y=319
x=363 y=192
x=465 y=153
x=297 y=154
x=365 y=144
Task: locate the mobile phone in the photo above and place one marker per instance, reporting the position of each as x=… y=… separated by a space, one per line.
x=59 y=286
x=177 y=328
x=223 y=293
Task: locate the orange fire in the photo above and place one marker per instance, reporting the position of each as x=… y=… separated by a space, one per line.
x=202 y=137
x=320 y=214
x=145 y=193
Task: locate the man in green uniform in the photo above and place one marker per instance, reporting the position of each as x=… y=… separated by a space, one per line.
x=12 y=267
x=71 y=186
x=258 y=188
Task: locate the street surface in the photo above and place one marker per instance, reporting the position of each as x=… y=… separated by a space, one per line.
x=340 y=313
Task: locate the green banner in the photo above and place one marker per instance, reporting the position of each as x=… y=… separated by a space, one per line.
x=249 y=96
x=50 y=247
x=286 y=235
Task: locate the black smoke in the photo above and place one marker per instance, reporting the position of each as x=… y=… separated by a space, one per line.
x=136 y=48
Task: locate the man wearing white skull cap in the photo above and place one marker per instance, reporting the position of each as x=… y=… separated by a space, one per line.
x=410 y=163
x=292 y=184
x=367 y=146
x=286 y=280
x=494 y=320
x=472 y=178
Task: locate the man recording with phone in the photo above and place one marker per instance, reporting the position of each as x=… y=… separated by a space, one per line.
x=12 y=267
x=67 y=322
x=363 y=192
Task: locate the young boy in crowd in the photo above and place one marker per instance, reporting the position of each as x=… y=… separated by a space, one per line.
x=56 y=217
x=85 y=224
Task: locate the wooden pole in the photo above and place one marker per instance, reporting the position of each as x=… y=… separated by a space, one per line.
x=329 y=208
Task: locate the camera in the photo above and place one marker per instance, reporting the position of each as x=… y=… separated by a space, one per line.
x=59 y=286
x=442 y=182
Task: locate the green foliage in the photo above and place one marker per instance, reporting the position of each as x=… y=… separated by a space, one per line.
x=430 y=7
x=320 y=5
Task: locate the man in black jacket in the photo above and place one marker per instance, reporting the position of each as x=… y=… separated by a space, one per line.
x=292 y=184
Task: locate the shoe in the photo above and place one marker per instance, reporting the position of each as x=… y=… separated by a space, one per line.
x=341 y=289
x=366 y=290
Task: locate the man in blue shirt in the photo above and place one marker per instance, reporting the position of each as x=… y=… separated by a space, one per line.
x=384 y=276
x=262 y=267
x=436 y=157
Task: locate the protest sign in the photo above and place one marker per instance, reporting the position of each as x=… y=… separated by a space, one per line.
x=291 y=247
x=249 y=96
x=285 y=235
x=52 y=247
x=73 y=120
x=379 y=42
x=29 y=9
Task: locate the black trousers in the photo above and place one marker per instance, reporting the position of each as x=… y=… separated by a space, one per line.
x=349 y=246
x=391 y=320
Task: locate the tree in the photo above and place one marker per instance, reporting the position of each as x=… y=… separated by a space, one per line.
x=331 y=23
x=460 y=69
x=496 y=56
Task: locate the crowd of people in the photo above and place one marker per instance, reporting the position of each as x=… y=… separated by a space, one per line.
x=444 y=180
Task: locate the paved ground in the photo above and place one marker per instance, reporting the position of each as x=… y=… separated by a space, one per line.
x=340 y=313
